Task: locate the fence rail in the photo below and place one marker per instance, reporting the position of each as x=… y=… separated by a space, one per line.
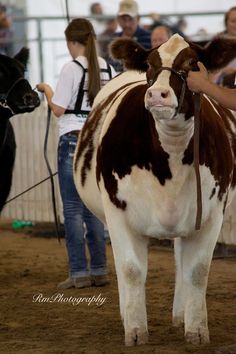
x=35 y=33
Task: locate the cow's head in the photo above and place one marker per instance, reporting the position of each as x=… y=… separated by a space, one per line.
x=16 y=94
x=167 y=67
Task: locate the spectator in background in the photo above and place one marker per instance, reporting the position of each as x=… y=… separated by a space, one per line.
x=159 y=35
x=6 y=34
x=230 y=22
x=106 y=36
x=96 y=11
x=230 y=31
x=128 y=20
x=181 y=25
x=177 y=27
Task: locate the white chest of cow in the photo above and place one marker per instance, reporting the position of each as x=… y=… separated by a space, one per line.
x=164 y=211
x=134 y=169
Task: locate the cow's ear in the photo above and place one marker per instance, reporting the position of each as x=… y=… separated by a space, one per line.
x=22 y=56
x=218 y=53
x=130 y=53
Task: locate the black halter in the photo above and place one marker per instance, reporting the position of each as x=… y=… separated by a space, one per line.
x=4 y=96
x=182 y=75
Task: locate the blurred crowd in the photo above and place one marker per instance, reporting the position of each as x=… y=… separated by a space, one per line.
x=127 y=23
x=6 y=33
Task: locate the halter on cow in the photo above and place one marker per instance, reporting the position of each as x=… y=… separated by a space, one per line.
x=134 y=168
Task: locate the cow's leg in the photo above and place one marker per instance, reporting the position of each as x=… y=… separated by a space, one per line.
x=197 y=253
x=180 y=293
x=130 y=255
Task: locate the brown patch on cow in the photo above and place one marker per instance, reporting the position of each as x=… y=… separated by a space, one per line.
x=131 y=140
x=225 y=203
x=214 y=145
x=212 y=193
x=87 y=133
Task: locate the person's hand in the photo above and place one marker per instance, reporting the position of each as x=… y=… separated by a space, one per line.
x=41 y=87
x=197 y=79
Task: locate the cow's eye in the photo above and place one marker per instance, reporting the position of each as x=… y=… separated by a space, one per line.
x=182 y=72
x=150 y=82
x=190 y=64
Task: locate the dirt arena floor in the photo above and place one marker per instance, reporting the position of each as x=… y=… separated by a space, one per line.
x=31 y=267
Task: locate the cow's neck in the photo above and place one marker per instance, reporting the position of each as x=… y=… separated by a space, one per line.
x=175 y=135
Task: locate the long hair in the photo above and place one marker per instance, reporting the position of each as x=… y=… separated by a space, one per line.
x=81 y=30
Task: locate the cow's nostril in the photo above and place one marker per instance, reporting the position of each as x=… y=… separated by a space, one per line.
x=150 y=94
x=164 y=94
x=28 y=98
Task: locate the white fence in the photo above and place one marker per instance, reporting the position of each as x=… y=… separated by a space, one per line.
x=30 y=168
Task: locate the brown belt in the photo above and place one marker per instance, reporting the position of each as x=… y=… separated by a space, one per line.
x=73 y=132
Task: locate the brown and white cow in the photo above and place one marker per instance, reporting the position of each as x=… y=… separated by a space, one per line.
x=134 y=169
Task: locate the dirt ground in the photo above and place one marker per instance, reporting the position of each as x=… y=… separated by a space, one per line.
x=31 y=267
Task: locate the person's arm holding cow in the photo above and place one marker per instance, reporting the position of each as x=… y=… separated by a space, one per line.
x=48 y=91
x=198 y=81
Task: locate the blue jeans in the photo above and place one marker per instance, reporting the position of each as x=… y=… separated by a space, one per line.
x=76 y=216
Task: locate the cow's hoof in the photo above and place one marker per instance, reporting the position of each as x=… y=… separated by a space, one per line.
x=177 y=321
x=136 y=337
x=200 y=337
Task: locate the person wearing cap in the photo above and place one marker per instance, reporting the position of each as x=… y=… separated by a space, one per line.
x=128 y=20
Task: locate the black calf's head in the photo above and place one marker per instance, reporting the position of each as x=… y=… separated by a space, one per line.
x=16 y=94
x=167 y=67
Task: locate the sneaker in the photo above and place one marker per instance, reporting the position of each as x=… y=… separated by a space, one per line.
x=81 y=282
x=99 y=280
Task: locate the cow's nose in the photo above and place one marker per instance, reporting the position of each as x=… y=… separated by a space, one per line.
x=31 y=99
x=158 y=96
x=28 y=99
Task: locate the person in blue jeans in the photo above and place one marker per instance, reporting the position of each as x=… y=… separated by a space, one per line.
x=79 y=82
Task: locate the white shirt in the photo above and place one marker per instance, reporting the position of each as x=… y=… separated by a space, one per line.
x=67 y=88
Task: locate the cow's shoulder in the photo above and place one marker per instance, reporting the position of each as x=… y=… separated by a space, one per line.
x=215 y=148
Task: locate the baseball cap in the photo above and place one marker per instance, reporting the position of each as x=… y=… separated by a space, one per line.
x=128 y=7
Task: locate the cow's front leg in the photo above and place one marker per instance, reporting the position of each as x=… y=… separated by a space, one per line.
x=197 y=254
x=180 y=293
x=130 y=255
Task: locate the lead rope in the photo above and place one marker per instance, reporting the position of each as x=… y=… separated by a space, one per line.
x=196 y=137
x=51 y=175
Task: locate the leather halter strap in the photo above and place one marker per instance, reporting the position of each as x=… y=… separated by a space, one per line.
x=196 y=138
